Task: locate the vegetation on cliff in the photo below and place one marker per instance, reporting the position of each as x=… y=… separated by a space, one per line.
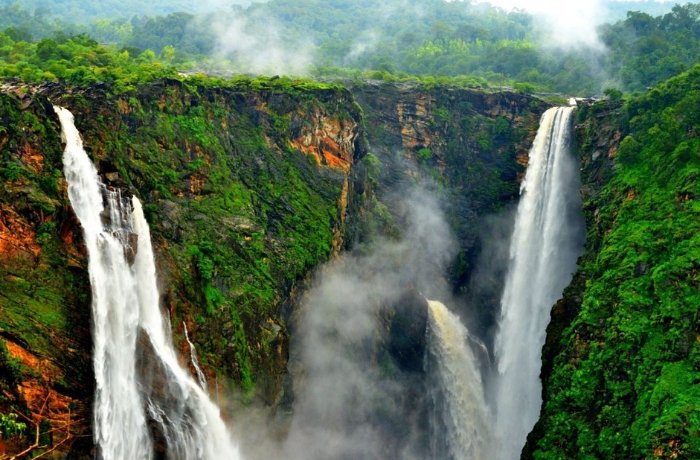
x=250 y=183
x=245 y=186
x=622 y=362
x=44 y=292
x=77 y=60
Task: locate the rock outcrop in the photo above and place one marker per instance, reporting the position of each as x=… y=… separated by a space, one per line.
x=247 y=189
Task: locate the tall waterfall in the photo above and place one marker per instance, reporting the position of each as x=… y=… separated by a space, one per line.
x=462 y=422
x=140 y=386
x=546 y=242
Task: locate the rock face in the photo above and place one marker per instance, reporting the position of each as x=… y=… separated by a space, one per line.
x=247 y=188
x=463 y=145
x=620 y=364
x=240 y=212
x=44 y=292
x=330 y=141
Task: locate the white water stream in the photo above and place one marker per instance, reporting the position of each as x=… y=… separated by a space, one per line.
x=193 y=359
x=140 y=386
x=546 y=242
x=463 y=428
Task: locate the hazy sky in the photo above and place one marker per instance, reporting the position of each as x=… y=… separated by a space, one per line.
x=571 y=23
x=546 y=5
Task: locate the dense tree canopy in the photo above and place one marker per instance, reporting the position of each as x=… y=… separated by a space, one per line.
x=645 y=50
x=433 y=38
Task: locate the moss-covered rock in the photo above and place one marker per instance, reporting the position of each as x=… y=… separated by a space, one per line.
x=621 y=366
x=246 y=190
x=247 y=185
x=45 y=338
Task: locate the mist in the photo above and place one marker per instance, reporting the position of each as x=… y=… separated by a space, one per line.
x=352 y=398
x=252 y=42
x=572 y=24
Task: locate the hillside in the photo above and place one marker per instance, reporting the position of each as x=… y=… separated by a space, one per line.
x=622 y=363
x=278 y=170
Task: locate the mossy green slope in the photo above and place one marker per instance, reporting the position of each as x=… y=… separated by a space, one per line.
x=622 y=360
x=44 y=290
x=239 y=214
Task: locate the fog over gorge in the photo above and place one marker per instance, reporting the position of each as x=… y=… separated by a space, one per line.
x=349 y=229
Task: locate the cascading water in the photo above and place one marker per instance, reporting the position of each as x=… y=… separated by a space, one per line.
x=140 y=386
x=462 y=422
x=193 y=359
x=546 y=242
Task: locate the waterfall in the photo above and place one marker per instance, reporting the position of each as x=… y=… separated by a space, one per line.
x=461 y=423
x=193 y=359
x=546 y=241
x=140 y=386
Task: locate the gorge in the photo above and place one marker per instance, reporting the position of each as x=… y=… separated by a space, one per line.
x=249 y=188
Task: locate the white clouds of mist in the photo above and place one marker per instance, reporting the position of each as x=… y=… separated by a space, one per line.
x=569 y=23
x=213 y=5
x=255 y=44
x=365 y=43
x=368 y=41
x=350 y=402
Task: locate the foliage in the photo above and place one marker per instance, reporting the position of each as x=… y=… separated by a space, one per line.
x=82 y=11
x=11 y=367
x=78 y=60
x=451 y=39
x=626 y=377
x=424 y=154
x=9 y=426
x=644 y=50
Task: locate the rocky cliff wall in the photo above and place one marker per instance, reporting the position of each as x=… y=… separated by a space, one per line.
x=621 y=364
x=246 y=191
x=469 y=148
x=247 y=188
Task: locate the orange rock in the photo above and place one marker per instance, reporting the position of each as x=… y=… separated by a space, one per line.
x=196 y=184
x=16 y=236
x=123 y=107
x=328 y=140
x=415 y=119
x=161 y=102
x=523 y=159
x=42 y=400
x=31 y=158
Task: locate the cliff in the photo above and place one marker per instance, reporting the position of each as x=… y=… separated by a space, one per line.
x=246 y=191
x=621 y=364
x=247 y=187
x=467 y=147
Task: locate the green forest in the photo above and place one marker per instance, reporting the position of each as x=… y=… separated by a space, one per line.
x=337 y=39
